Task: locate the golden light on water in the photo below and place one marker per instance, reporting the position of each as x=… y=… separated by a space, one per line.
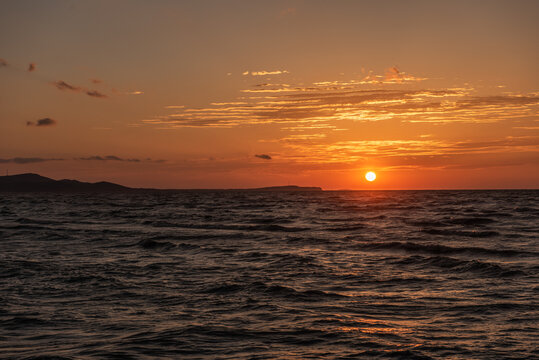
x=370 y=176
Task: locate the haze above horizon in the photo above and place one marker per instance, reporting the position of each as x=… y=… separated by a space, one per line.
x=243 y=94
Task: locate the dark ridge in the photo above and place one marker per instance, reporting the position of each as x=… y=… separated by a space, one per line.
x=37 y=183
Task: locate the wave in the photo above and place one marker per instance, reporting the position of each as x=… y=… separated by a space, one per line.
x=152 y=244
x=273 y=290
x=24 y=322
x=462 y=266
x=465 y=233
x=351 y=227
x=271 y=220
x=210 y=226
x=471 y=221
x=465 y=221
x=444 y=249
x=48 y=357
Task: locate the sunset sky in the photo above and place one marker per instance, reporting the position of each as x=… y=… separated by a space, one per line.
x=230 y=94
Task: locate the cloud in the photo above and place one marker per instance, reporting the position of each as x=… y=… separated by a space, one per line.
x=96 y=94
x=3 y=62
x=333 y=108
x=107 y=158
x=30 y=160
x=264 y=72
x=96 y=81
x=42 y=122
x=263 y=156
x=335 y=105
x=394 y=75
x=31 y=67
x=425 y=153
x=62 y=85
x=21 y=160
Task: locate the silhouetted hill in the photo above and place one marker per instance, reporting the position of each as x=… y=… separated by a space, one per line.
x=38 y=183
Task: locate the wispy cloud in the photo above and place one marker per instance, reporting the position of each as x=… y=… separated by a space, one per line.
x=62 y=85
x=107 y=158
x=394 y=75
x=117 y=158
x=328 y=106
x=430 y=153
x=42 y=122
x=265 y=72
x=96 y=94
x=263 y=156
x=113 y=158
x=315 y=118
x=30 y=160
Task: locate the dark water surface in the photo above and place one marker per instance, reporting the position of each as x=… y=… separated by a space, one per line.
x=253 y=275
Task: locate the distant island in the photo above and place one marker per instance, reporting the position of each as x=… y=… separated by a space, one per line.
x=37 y=183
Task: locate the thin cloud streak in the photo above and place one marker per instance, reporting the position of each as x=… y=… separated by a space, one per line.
x=96 y=94
x=22 y=160
x=117 y=158
x=42 y=122
x=307 y=107
x=107 y=158
x=31 y=160
x=64 y=86
x=263 y=156
x=420 y=153
x=265 y=72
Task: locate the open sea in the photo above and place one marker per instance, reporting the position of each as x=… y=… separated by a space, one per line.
x=270 y=275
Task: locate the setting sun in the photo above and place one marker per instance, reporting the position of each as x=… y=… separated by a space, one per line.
x=370 y=176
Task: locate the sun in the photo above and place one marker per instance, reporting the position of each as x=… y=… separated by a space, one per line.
x=370 y=176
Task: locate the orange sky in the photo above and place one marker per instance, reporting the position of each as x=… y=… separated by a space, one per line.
x=228 y=94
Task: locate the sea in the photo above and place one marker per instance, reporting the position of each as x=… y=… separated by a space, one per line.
x=270 y=275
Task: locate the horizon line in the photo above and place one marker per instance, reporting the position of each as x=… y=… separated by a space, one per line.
x=319 y=188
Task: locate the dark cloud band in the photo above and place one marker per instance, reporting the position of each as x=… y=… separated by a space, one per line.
x=263 y=156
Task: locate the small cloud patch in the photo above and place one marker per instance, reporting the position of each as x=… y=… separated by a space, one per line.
x=62 y=85
x=264 y=72
x=21 y=160
x=263 y=156
x=107 y=158
x=42 y=122
x=96 y=94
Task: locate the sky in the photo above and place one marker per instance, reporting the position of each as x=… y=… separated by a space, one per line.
x=235 y=94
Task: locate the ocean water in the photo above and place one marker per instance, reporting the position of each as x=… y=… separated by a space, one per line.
x=270 y=275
